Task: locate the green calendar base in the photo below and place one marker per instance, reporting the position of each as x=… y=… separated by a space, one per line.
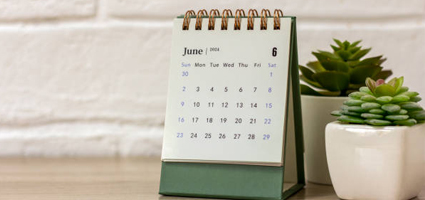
x=225 y=181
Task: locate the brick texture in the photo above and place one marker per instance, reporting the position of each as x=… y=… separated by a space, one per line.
x=12 y=10
x=317 y=9
x=97 y=86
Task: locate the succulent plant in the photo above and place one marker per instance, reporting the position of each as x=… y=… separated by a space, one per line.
x=382 y=104
x=341 y=72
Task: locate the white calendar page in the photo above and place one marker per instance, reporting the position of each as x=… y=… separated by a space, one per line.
x=227 y=94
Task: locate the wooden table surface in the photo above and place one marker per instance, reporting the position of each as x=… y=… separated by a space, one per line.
x=96 y=178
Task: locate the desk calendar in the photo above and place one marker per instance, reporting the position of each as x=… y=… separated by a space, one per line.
x=233 y=123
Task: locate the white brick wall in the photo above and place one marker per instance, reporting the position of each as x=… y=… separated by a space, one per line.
x=89 y=77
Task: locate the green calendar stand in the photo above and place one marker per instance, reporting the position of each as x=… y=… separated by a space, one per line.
x=241 y=181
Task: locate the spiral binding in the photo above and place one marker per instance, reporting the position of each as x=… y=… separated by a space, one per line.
x=214 y=13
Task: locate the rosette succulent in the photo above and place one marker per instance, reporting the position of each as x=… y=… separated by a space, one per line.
x=382 y=104
x=342 y=71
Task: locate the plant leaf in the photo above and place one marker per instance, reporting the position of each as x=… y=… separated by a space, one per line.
x=359 y=54
x=384 y=74
x=354 y=49
x=359 y=74
x=371 y=61
x=316 y=66
x=339 y=43
x=332 y=81
x=333 y=65
x=355 y=43
x=371 y=84
x=343 y=54
x=306 y=72
x=346 y=44
x=378 y=122
x=384 y=90
x=310 y=82
x=392 y=82
x=398 y=84
x=308 y=90
x=325 y=56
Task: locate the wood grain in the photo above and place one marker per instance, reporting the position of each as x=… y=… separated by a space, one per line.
x=96 y=178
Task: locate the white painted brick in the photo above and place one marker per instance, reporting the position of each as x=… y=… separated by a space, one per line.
x=98 y=88
x=107 y=74
x=11 y=10
x=80 y=140
x=314 y=9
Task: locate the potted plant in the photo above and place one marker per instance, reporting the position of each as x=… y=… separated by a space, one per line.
x=328 y=82
x=376 y=150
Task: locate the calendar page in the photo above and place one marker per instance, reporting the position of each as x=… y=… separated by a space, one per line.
x=227 y=95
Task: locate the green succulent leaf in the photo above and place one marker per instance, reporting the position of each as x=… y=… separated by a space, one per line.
x=353 y=63
x=350 y=113
x=410 y=94
x=392 y=81
x=392 y=108
x=316 y=66
x=378 y=122
x=354 y=44
x=343 y=54
x=402 y=112
x=355 y=87
x=418 y=115
x=365 y=90
x=332 y=81
x=359 y=54
x=310 y=82
x=374 y=61
x=372 y=116
x=397 y=117
x=357 y=109
x=411 y=106
x=370 y=105
x=384 y=99
x=336 y=113
x=398 y=83
x=371 y=84
x=339 y=43
x=354 y=49
x=400 y=98
x=377 y=111
x=384 y=74
x=359 y=74
x=408 y=122
x=335 y=65
x=306 y=90
x=351 y=119
x=357 y=95
x=346 y=44
x=306 y=72
x=353 y=102
x=325 y=56
x=403 y=89
x=368 y=98
x=384 y=90
x=416 y=99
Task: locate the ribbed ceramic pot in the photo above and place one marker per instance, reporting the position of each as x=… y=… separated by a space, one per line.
x=368 y=162
x=316 y=114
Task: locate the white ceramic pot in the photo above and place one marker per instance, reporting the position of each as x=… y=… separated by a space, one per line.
x=368 y=162
x=316 y=114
